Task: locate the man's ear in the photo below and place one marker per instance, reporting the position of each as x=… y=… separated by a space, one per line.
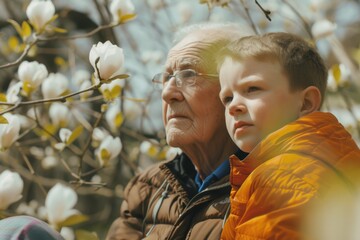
x=311 y=100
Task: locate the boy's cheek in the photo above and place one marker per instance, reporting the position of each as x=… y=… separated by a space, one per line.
x=229 y=123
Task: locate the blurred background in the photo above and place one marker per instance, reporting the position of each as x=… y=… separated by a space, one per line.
x=135 y=114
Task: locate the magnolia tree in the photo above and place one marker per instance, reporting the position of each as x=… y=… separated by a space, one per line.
x=78 y=115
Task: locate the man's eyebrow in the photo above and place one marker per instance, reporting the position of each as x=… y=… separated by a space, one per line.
x=182 y=64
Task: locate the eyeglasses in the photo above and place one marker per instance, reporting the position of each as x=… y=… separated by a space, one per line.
x=185 y=77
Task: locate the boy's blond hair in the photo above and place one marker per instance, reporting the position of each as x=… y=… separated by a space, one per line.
x=300 y=61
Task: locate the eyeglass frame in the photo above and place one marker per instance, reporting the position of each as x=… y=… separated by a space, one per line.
x=178 y=81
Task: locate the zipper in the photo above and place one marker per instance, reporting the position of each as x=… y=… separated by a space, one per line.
x=192 y=203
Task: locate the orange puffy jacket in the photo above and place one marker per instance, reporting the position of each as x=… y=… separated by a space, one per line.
x=273 y=186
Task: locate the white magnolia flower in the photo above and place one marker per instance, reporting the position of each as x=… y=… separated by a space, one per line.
x=12 y=94
x=59 y=114
x=50 y=159
x=148 y=148
x=81 y=76
x=33 y=113
x=114 y=116
x=119 y=8
x=31 y=74
x=64 y=134
x=186 y=11
x=109 y=149
x=67 y=233
x=214 y=3
x=155 y=56
x=54 y=85
x=113 y=89
x=99 y=134
x=85 y=85
x=59 y=204
x=39 y=13
x=9 y=132
x=11 y=187
x=172 y=152
x=342 y=77
x=111 y=59
x=323 y=28
x=155 y=4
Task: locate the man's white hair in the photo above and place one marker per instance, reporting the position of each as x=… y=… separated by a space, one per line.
x=233 y=30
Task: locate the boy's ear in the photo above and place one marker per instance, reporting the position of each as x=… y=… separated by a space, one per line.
x=311 y=100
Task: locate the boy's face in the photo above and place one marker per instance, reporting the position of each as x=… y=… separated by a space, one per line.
x=257 y=100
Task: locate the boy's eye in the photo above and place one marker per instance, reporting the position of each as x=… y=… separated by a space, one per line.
x=252 y=89
x=226 y=100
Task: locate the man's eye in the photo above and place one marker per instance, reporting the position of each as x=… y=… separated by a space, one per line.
x=187 y=74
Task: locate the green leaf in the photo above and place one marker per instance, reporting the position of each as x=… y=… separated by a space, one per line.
x=26 y=30
x=115 y=91
x=74 y=219
x=85 y=235
x=119 y=119
x=3 y=120
x=121 y=76
x=13 y=43
x=16 y=26
x=75 y=134
x=60 y=30
x=127 y=17
x=3 y=97
x=336 y=73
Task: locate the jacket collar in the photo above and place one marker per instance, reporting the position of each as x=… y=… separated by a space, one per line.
x=316 y=133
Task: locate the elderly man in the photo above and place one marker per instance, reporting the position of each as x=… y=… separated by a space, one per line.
x=187 y=197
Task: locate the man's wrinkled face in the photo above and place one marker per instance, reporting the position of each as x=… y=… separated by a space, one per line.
x=191 y=114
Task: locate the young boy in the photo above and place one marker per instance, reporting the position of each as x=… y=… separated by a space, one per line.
x=272 y=87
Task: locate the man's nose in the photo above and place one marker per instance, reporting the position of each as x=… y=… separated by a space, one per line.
x=171 y=92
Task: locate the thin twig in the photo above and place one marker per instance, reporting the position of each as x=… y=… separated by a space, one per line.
x=22 y=56
x=48 y=100
x=253 y=26
x=97 y=122
x=266 y=12
x=305 y=23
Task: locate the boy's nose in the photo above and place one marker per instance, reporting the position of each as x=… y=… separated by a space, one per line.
x=236 y=107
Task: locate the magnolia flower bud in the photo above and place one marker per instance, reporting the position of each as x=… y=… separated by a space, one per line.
x=67 y=233
x=85 y=85
x=186 y=11
x=155 y=4
x=81 y=76
x=31 y=74
x=323 y=28
x=59 y=114
x=119 y=8
x=109 y=149
x=54 y=85
x=111 y=59
x=59 y=204
x=12 y=94
x=11 y=186
x=39 y=13
x=9 y=132
x=65 y=134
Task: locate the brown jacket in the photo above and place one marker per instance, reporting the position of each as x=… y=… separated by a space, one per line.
x=163 y=203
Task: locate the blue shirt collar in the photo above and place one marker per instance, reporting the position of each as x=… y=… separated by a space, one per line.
x=220 y=172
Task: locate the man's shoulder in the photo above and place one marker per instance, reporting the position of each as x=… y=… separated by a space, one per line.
x=152 y=175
